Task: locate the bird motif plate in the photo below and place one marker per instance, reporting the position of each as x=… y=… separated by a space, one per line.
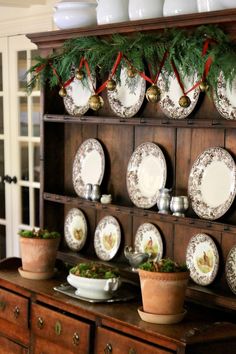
x=75 y=229
x=230 y=269
x=225 y=98
x=107 y=238
x=77 y=97
x=146 y=174
x=88 y=165
x=148 y=240
x=171 y=93
x=127 y=98
x=212 y=183
x=202 y=259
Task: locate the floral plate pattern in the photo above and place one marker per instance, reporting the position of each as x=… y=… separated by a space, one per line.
x=107 y=238
x=202 y=259
x=146 y=174
x=171 y=93
x=230 y=269
x=75 y=229
x=88 y=165
x=212 y=183
x=225 y=98
x=127 y=98
x=148 y=240
x=77 y=97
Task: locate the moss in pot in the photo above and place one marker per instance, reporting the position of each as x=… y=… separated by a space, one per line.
x=163 y=286
x=38 y=253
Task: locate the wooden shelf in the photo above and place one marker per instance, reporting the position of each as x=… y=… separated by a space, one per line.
x=134 y=211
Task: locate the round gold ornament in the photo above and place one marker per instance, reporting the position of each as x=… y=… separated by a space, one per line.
x=131 y=73
x=62 y=92
x=79 y=74
x=153 y=94
x=111 y=85
x=184 y=101
x=96 y=102
x=204 y=86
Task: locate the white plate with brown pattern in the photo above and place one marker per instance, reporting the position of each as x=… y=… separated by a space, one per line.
x=225 y=98
x=202 y=259
x=127 y=98
x=171 y=93
x=146 y=174
x=230 y=269
x=148 y=240
x=75 y=229
x=77 y=96
x=212 y=183
x=88 y=166
x=107 y=238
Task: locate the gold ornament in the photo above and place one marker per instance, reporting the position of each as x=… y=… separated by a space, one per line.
x=79 y=74
x=184 y=101
x=131 y=73
x=96 y=102
x=62 y=92
x=204 y=86
x=153 y=94
x=111 y=85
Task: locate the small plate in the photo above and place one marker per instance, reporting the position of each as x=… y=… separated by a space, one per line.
x=146 y=174
x=202 y=259
x=36 y=275
x=230 y=269
x=107 y=238
x=225 y=98
x=171 y=93
x=127 y=98
x=88 y=165
x=161 y=319
x=75 y=229
x=148 y=240
x=78 y=94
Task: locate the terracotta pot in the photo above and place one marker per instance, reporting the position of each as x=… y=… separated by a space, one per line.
x=163 y=293
x=38 y=255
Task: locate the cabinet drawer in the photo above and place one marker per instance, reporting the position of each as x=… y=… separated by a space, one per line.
x=64 y=331
x=109 y=342
x=14 y=308
x=9 y=347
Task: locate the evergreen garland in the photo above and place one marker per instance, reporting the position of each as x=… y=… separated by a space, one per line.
x=144 y=51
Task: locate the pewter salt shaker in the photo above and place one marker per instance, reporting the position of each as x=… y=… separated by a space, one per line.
x=163 y=201
x=88 y=191
x=177 y=206
x=95 y=194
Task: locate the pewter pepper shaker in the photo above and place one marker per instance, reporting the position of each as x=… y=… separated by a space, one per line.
x=95 y=194
x=88 y=191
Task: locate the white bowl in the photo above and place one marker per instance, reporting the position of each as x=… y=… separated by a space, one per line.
x=228 y=4
x=73 y=14
x=96 y=289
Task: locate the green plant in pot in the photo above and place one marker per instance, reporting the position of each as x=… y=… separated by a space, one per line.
x=38 y=253
x=163 y=287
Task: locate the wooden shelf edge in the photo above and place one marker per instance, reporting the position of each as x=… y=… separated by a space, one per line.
x=134 y=211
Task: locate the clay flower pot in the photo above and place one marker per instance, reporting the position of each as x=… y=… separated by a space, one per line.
x=163 y=293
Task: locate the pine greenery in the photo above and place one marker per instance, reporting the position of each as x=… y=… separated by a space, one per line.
x=144 y=51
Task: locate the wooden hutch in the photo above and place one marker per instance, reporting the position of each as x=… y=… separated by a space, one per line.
x=36 y=319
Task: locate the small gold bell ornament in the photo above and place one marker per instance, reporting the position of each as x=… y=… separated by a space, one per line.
x=79 y=74
x=184 y=101
x=131 y=73
x=204 y=86
x=153 y=94
x=111 y=85
x=96 y=102
x=62 y=92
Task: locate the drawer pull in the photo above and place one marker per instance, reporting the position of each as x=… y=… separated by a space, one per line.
x=16 y=312
x=132 y=351
x=75 y=338
x=2 y=305
x=58 y=328
x=108 y=348
x=40 y=323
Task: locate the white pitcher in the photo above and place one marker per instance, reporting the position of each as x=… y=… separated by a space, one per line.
x=209 y=5
x=141 y=9
x=179 y=7
x=112 y=11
